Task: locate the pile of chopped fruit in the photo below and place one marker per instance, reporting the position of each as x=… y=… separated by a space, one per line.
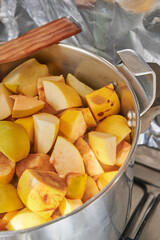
x=61 y=142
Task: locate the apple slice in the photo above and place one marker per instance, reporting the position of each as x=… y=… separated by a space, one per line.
x=123 y=150
x=115 y=125
x=81 y=88
x=25 y=106
x=14 y=141
x=92 y=165
x=105 y=178
x=46 y=127
x=7 y=169
x=75 y=185
x=103 y=102
x=68 y=205
x=66 y=158
x=61 y=96
x=103 y=146
x=9 y=200
x=72 y=125
x=28 y=124
x=37 y=161
x=41 y=190
x=91 y=189
x=23 y=79
x=25 y=218
x=6 y=103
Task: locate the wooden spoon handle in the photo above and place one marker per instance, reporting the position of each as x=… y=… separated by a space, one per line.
x=38 y=39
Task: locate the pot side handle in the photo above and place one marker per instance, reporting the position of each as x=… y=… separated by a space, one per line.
x=141 y=77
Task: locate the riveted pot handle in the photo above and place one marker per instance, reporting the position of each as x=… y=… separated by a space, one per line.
x=141 y=77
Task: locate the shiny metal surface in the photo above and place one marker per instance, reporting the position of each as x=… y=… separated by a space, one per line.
x=106 y=214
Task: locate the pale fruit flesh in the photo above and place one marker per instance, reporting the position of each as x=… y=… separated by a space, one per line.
x=7 y=169
x=105 y=178
x=91 y=189
x=6 y=103
x=68 y=205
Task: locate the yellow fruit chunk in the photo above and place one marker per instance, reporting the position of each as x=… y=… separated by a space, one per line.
x=75 y=185
x=23 y=79
x=92 y=165
x=41 y=190
x=37 y=161
x=115 y=125
x=6 y=103
x=105 y=178
x=8 y=216
x=64 y=96
x=109 y=168
x=91 y=189
x=9 y=200
x=103 y=146
x=123 y=150
x=7 y=169
x=28 y=124
x=56 y=214
x=103 y=102
x=25 y=219
x=25 y=106
x=66 y=158
x=81 y=88
x=3 y=224
x=88 y=117
x=46 y=127
x=69 y=205
x=14 y=141
x=72 y=125
x=59 y=78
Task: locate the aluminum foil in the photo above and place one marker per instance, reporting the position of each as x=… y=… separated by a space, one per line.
x=107 y=26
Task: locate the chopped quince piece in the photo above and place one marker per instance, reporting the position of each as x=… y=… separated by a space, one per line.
x=25 y=106
x=46 y=127
x=7 y=169
x=14 y=141
x=69 y=205
x=23 y=79
x=115 y=125
x=37 y=161
x=122 y=152
x=103 y=146
x=9 y=200
x=61 y=96
x=103 y=102
x=91 y=189
x=92 y=165
x=88 y=117
x=41 y=190
x=6 y=103
x=81 y=88
x=66 y=158
x=28 y=124
x=72 y=125
x=75 y=185
x=56 y=214
x=105 y=178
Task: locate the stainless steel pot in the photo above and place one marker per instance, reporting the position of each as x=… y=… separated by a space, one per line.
x=105 y=215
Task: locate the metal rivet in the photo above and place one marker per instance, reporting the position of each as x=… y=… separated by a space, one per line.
x=131 y=115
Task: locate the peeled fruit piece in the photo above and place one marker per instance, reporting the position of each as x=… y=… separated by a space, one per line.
x=69 y=205
x=25 y=218
x=41 y=190
x=61 y=96
x=37 y=161
x=25 y=106
x=103 y=102
x=28 y=124
x=92 y=165
x=88 y=117
x=123 y=150
x=56 y=214
x=75 y=185
x=23 y=79
x=81 y=88
x=109 y=168
x=103 y=146
x=9 y=200
x=7 y=169
x=66 y=158
x=72 y=125
x=91 y=189
x=6 y=103
x=105 y=178
x=14 y=141
x=46 y=127
x=115 y=125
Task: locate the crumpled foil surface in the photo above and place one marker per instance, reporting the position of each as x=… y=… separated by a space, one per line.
x=107 y=26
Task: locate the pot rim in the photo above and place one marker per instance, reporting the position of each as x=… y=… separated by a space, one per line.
x=120 y=171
